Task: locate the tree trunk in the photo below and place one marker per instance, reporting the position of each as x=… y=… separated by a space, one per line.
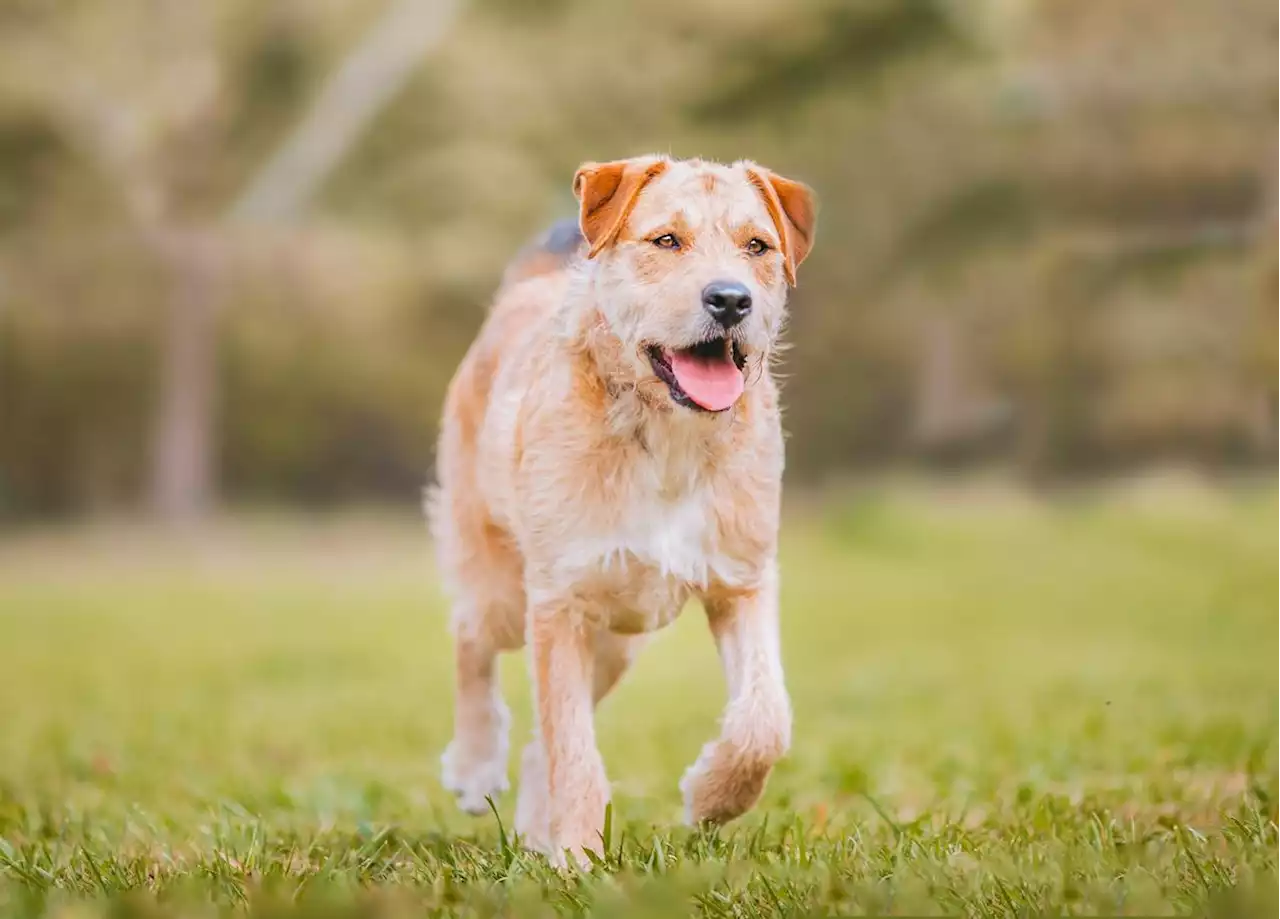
x=184 y=452
x=183 y=473
x=939 y=399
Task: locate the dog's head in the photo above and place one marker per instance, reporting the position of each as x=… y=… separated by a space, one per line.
x=692 y=265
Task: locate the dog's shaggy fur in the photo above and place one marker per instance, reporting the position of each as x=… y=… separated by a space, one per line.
x=589 y=484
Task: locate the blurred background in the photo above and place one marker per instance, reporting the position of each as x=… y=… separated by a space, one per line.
x=1029 y=548
x=244 y=245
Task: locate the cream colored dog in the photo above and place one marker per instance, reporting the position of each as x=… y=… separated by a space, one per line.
x=611 y=447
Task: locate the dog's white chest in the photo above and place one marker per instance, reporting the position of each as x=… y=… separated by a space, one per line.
x=644 y=570
x=675 y=538
x=662 y=554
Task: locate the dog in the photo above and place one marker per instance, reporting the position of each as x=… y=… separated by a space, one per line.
x=610 y=447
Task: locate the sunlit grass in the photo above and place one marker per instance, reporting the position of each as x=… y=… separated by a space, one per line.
x=1002 y=704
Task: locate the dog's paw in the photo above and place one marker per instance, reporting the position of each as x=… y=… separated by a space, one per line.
x=571 y=845
x=473 y=779
x=566 y=858
x=569 y=827
x=533 y=819
x=722 y=784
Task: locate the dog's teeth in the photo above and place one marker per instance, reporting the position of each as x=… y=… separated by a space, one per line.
x=728 y=349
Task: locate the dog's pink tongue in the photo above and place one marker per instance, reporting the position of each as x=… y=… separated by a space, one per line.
x=714 y=383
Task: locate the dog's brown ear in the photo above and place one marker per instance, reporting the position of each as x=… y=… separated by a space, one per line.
x=791 y=205
x=607 y=192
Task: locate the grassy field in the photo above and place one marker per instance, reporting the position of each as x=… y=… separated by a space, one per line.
x=1003 y=706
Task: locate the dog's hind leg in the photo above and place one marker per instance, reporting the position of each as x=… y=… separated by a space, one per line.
x=475 y=762
x=482 y=571
x=488 y=617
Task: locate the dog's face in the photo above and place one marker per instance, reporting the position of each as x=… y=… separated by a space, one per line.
x=693 y=261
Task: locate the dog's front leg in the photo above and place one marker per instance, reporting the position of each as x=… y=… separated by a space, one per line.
x=730 y=774
x=577 y=789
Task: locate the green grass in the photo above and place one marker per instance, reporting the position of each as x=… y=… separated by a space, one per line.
x=1003 y=706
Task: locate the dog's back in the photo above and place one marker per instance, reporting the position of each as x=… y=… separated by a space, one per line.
x=550 y=252
x=532 y=287
x=529 y=293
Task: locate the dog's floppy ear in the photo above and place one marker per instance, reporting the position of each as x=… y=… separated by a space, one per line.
x=607 y=192
x=791 y=205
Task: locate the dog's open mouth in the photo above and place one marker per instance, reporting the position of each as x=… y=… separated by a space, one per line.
x=707 y=376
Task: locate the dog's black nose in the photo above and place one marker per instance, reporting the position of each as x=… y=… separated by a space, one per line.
x=728 y=302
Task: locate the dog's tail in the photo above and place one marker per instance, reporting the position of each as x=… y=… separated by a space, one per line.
x=549 y=252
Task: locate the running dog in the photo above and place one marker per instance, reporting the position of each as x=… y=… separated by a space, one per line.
x=611 y=446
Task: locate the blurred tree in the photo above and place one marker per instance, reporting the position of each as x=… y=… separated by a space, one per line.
x=1047 y=233
x=127 y=126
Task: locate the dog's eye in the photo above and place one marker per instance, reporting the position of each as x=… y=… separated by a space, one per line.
x=666 y=241
x=757 y=247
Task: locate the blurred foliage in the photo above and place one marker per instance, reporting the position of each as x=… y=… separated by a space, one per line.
x=1047 y=234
